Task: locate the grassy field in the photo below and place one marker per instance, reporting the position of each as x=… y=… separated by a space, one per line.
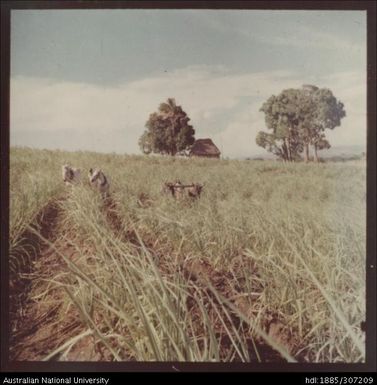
x=268 y=265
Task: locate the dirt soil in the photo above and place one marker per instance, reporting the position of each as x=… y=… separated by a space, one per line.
x=41 y=320
x=211 y=280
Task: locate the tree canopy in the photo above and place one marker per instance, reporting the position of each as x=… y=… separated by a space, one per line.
x=297 y=118
x=168 y=131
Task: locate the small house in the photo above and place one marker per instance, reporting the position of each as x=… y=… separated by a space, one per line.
x=205 y=148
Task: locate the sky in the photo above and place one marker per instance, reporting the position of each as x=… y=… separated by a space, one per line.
x=89 y=79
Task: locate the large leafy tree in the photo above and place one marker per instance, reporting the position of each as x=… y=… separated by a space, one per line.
x=297 y=119
x=321 y=111
x=282 y=116
x=168 y=131
x=328 y=113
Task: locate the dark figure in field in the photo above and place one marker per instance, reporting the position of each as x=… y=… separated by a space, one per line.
x=178 y=190
x=175 y=189
x=195 y=190
x=168 y=188
x=99 y=181
x=71 y=175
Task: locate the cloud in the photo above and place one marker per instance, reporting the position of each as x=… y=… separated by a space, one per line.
x=237 y=140
x=222 y=105
x=305 y=38
x=290 y=30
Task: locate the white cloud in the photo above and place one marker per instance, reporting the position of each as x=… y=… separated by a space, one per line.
x=221 y=105
x=238 y=137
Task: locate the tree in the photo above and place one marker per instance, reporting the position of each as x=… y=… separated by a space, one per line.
x=168 y=131
x=282 y=117
x=319 y=143
x=321 y=110
x=145 y=142
x=328 y=113
x=269 y=142
x=307 y=108
x=298 y=119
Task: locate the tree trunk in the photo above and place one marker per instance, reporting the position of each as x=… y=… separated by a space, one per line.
x=315 y=153
x=288 y=144
x=306 y=153
x=284 y=152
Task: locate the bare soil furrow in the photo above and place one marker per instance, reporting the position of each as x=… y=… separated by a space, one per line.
x=40 y=321
x=207 y=278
